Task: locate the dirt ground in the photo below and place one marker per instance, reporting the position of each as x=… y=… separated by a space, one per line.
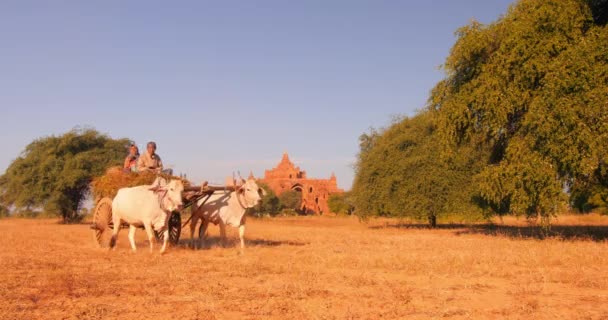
x=311 y=268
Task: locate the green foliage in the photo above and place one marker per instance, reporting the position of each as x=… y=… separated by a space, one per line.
x=523 y=183
x=531 y=88
x=591 y=194
x=288 y=203
x=403 y=173
x=291 y=200
x=341 y=203
x=27 y=213
x=270 y=204
x=289 y=212
x=54 y=172
x=4 y=212
x=519 y=119
x=599 y=9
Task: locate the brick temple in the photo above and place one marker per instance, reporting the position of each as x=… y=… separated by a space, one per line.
x=315 y=192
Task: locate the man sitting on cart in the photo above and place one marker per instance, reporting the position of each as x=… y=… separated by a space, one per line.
x=150 y=161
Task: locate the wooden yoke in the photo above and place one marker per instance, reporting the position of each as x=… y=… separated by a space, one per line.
x=211 y=189
x=192 y=194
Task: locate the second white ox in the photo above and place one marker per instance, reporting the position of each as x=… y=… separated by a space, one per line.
x=226 y=209
x=149 y=206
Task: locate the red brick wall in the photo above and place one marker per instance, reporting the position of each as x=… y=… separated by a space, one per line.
x=315 y=192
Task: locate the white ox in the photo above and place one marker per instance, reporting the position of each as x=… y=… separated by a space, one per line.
x=226 y=209
x=149 y=206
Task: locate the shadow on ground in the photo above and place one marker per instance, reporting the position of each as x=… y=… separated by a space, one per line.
x=212 y=242
x=583 y=232
x=579 y=232
x=419 y=226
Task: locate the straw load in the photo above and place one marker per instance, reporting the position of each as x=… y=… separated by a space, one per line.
x=115 y=178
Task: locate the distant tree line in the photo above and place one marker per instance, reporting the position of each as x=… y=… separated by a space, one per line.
x=53 y=175
x=519 y=125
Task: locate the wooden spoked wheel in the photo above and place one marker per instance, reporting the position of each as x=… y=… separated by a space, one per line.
x=175 y=228
x=102 y=222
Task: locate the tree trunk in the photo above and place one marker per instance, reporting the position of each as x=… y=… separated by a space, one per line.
x=66 y=216
x=433 y=221
x=69 y=216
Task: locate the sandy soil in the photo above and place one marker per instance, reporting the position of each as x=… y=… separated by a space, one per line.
x=311 y=268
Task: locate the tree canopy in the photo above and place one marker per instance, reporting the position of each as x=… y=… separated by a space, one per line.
x=54 y=173
x=531 y=86
x=402 y=173
x=521 y=114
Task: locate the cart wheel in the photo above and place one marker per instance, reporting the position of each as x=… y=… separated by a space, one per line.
x=102 y=222
x=175 y=228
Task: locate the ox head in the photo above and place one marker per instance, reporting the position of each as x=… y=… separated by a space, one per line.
x=251 y=193
x=170 y=194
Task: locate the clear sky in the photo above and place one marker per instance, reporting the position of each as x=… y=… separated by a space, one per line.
x=224 y=86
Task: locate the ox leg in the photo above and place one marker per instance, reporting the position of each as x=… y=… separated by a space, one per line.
x=202 y=233
x=132 y=229
x=242 y=235
x=193 y=224
x=165 y=240
x=116 y=222
x=223 y=233
x=150 y=234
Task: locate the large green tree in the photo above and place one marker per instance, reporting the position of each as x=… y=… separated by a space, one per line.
x=532 y=88
x=53 y=173
x=401 y=172
x=517 y=125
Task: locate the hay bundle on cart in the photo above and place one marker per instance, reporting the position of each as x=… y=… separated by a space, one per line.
x=115 y=178
x=105 y=188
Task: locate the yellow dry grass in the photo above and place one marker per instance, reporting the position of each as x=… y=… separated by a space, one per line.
x=310 y=268
x=115 y=178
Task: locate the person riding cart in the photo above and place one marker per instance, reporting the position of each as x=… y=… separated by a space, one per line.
x=150 y=161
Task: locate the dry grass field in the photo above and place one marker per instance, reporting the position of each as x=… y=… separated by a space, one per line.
x=311 y=268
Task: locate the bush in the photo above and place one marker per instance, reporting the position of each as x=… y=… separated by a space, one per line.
x=288 y=212
x=4 y=212
x=341 y=203
x=270 y=204
x=27 y=213
x=291 y=200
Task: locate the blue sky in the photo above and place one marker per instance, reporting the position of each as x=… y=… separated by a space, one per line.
x=224 y=86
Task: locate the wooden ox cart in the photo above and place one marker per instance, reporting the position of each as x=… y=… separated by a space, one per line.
x=102 y=214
